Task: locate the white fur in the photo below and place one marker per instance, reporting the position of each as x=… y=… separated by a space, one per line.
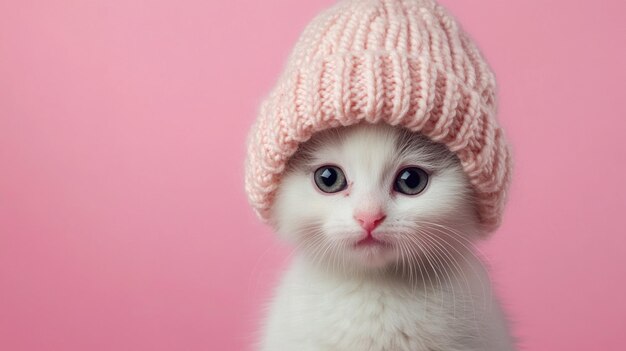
x=425 y=289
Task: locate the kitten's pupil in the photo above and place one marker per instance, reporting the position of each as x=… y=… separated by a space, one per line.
x=329 y=176
x=411 y=181
x=330 y=179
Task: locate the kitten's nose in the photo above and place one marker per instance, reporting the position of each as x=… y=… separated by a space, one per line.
x=369 y=220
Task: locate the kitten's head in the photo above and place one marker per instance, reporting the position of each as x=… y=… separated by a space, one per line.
x=372 y=196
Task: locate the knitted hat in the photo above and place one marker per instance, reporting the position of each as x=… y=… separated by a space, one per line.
x=401 y=62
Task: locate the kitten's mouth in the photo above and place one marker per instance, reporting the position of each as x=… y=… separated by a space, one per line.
x=369 y=241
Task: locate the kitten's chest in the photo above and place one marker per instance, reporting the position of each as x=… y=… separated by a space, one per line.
x=353 y=316
x=372 y=319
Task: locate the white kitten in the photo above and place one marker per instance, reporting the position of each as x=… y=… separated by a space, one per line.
x=383 y=223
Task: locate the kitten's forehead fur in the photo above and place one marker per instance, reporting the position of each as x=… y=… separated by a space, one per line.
x=390 y=144
x=371 y=156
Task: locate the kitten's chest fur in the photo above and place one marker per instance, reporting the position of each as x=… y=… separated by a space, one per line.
x=318 y=311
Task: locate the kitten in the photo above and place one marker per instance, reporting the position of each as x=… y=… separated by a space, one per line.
x=383 y=222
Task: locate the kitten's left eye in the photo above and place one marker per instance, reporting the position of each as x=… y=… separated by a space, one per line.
x=330 y=179
x=411 y=181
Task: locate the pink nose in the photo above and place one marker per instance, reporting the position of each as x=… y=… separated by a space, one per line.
x=369 y=220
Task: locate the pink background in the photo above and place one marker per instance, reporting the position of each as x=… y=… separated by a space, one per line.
x=123 y=222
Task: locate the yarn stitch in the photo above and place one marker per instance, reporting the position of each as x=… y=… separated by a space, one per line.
x=401 y=62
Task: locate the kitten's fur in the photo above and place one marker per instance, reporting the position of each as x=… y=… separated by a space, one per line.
x=424 y=290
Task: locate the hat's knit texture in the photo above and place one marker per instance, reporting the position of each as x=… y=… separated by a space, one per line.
x=401 y=62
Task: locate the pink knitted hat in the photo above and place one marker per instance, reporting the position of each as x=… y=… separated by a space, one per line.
x=402 y=62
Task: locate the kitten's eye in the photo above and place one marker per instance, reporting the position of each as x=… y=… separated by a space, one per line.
x=330 y=179
x=411 y=181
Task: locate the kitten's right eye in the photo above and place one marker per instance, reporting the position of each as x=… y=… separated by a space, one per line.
x=330 y=179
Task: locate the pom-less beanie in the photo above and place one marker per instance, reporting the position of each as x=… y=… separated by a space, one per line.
x=406 y=63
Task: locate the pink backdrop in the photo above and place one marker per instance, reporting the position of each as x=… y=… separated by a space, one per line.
x=123 y=222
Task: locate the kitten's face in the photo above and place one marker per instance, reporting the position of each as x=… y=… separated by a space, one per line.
x=371 y=196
